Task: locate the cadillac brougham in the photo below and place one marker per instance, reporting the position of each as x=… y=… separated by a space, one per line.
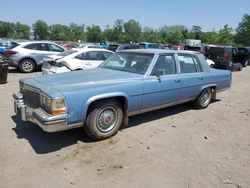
x=129 y=82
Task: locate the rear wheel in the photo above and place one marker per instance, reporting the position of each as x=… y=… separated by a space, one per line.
x=204 y=99
x=245 y=63
x=27 y=65
x=104 y=119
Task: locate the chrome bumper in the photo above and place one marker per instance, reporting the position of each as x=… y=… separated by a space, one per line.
x=48 y=122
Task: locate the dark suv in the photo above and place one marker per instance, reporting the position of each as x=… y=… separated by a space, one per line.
x=243 y=56
x=222 y=56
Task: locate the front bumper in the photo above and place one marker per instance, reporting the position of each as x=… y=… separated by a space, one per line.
x=48 y=122
x=54 y=70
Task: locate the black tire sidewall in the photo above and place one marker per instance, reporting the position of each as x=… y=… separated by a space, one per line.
x=91 y=122
x=198 y=104
x=199 y=99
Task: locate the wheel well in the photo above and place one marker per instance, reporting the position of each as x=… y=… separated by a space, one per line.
x=122 y=100
x=29 y=58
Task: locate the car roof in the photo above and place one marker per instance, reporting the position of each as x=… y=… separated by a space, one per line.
x=91 y=49
x=159 y=51
x=34 y=42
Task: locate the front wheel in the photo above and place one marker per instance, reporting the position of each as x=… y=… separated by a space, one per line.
x=104 y=119
x=204 y=99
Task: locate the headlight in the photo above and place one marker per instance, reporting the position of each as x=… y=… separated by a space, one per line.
x=53 y=106
x=60 y=63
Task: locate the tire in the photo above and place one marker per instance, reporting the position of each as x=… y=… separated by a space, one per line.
x=27 y=66
x=104 y=119
x=245 y=63
x=204 y=99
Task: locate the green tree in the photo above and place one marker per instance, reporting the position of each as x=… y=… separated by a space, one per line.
x=132 y=30
x=195 y=32
x=76 y=32
x=210 y=37
x=108 y=34
x=22 y=31
x=41 y=30
x=243 y=31
x=59 y=32
x=7 y=29
x=118 y=31
x=175 y=35
x=226 y=36
x=150 y=35
x=94 y=33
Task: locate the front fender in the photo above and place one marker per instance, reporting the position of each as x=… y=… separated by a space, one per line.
x=100 y=97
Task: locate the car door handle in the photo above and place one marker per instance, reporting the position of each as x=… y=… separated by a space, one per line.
x=177 y=81
x=200 y=78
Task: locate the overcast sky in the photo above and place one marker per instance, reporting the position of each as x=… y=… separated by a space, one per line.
x=209 y=14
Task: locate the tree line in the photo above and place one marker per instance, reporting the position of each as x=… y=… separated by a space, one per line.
x=131 y=30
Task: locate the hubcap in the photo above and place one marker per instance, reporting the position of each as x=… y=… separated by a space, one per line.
x=27 y=66
x=107 y=119
x=205 y=98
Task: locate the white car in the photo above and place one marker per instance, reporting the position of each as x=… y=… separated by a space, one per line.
x=76 y=59
x=210 y=62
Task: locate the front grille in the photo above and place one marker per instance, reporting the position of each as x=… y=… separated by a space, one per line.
x=31 y=99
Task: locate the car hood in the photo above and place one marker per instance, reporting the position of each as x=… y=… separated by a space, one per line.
x=85 y=79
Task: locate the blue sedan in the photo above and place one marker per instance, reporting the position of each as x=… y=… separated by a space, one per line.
x=128 y=83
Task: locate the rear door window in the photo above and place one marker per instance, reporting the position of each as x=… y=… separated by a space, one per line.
x=37 y=46
x=187 y=64
x=93 y=55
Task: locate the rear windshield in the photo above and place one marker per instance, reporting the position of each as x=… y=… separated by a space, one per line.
x=13 y=45
x=215 y=50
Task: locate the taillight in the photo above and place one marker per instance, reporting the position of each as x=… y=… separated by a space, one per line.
x=226 y=56
x=10 y=52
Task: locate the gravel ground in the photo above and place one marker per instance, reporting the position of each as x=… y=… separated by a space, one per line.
x=173 y=147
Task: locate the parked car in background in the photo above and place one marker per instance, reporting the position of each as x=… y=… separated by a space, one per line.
x=210 y=62
x=177 y=47
x=89 y=45
x=223 y=56
x=119 y=47
x=243 y=56
x=104 y=44
x=28 y=56
x=76 y=59
x=4 y=44
x=226 y=56
x=69 y=45
x=148 y=45
x=130 y=82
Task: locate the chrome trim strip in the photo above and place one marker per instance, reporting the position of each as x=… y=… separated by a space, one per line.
x=160 y=106
x=30 y=88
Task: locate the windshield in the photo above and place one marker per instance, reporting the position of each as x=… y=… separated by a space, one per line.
x=66 y=53
x=128 y=62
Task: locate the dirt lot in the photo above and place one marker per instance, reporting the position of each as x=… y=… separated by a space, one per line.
x=173 y=147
